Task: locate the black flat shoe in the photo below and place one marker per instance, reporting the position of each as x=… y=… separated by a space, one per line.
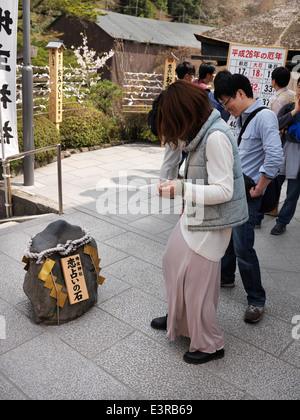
x=199 y=358
x=160 y=323
x=278 y=229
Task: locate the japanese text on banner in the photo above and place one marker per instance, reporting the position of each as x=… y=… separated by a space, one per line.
x=8 y=61
x=257 y=63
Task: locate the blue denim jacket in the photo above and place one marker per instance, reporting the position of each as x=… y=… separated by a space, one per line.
x=260 y=149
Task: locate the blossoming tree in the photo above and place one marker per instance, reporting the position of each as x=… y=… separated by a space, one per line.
x=87 y=74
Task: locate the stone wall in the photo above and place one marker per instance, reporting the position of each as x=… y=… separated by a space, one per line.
x=26 y=204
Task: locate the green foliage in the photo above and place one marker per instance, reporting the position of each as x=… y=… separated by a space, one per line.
x=134 y=126
x=106 y=96
x=84 y=9
x=44 y=13
x=145 y=8
x=185 y=10
x=85 y=128
x=45 y=134
x=42 y=58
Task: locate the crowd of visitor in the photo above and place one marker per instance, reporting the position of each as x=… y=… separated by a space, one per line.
x=223 y=188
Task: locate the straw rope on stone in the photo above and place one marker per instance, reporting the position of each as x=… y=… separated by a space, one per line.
x=62 y=249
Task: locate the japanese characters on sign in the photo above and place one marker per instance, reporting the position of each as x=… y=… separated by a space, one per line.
x=8 y=61
x=74 y=279
x=56 y=84
x=170 y=68
x=257 y=63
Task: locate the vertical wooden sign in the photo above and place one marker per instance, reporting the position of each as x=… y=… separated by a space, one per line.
x=74 y=279
x=56 y=82
x=170 y=67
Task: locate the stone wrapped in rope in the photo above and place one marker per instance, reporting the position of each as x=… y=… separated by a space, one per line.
x=59 y=239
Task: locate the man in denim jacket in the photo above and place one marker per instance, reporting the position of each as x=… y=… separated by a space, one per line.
x=262 y=159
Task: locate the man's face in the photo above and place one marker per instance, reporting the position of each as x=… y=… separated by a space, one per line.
x=210 y=77
x=234 y=104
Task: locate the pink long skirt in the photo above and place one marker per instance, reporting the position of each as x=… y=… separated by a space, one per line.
x=193 y=290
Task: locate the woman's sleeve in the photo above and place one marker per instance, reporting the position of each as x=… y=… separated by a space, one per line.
x=285 y=117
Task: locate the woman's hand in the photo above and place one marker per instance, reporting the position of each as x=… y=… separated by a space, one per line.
x=167 y=189
x=297 y=107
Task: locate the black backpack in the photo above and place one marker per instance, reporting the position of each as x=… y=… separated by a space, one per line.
x=152 y=116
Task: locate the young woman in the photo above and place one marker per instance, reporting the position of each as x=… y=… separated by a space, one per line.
x=215 y=202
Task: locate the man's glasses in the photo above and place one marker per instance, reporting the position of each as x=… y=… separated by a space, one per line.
x=224 y=105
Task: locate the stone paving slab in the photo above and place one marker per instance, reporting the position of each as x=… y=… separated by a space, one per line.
x=112 y=353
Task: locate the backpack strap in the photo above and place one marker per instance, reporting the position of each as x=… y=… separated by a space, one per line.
x=250 y=117
x=290 y=100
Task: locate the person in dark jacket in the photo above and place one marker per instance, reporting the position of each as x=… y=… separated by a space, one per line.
x=289 y=121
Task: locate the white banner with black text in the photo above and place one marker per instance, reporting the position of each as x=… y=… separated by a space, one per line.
x=8 y=63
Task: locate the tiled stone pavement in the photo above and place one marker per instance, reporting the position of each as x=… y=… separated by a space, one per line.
x=111 y=353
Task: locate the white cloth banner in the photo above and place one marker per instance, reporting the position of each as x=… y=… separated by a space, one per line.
x=8 y=64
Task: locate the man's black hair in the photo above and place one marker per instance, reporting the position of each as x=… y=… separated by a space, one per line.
x=185 y=68
x=282 y=76
x=227 y=84
x=206 y=68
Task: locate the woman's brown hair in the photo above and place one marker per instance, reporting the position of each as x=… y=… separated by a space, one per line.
x=183 y=110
